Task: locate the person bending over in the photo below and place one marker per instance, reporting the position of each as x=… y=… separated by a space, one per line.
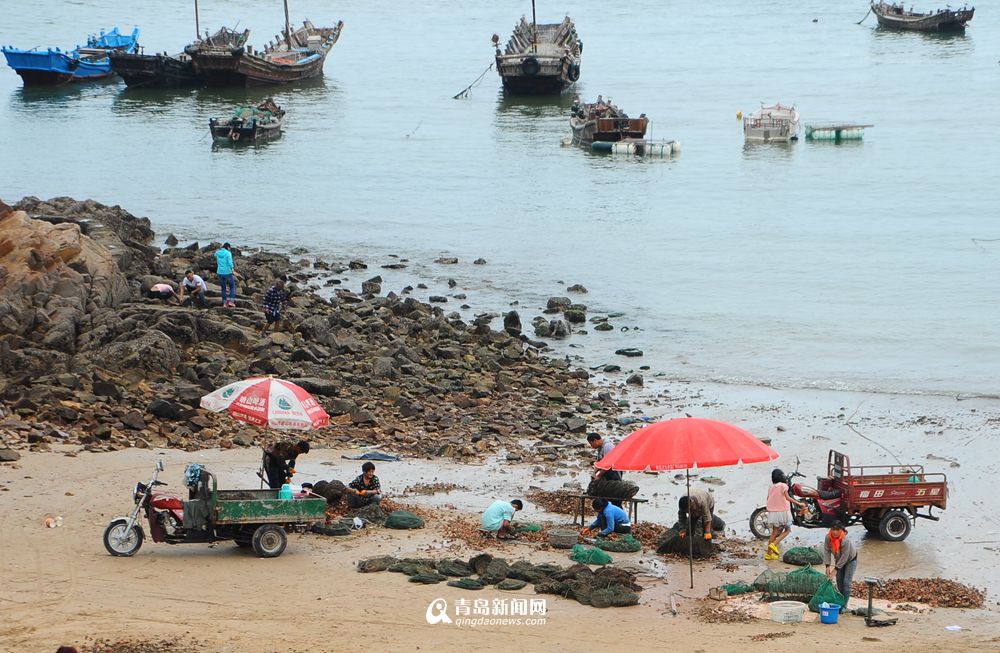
x=499 y=518
x=701 y=506
x=610 y=519
x=279 y=462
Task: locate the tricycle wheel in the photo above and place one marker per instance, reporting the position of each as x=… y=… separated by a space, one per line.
x=870 y=521
x=269 y=541
x=119 y=541
x=895 y=526
x=758 y=523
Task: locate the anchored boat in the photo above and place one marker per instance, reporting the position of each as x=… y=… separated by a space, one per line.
x=54 y=66
x=300 y=55
x=249 y=124
x=539 y=59
x=603 y=121
x=163 y=70
x=777 y=123
x=895 y=16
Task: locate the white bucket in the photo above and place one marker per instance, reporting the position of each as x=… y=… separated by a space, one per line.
x=787 y=612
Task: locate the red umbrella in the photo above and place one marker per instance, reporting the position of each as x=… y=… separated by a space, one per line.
x=265 y=401
x=686 y=443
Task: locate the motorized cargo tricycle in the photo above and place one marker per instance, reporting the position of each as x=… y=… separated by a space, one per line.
x=885 y=499
x=251 y=518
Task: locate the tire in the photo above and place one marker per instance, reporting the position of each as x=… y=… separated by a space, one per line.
x=895 y=526
x=870 y=521
x=573 y=72
x=758 y=523
x=269 y=541
x=118 y=543
x=531 y=67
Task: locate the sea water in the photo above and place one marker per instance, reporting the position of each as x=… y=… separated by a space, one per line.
x=869 y=265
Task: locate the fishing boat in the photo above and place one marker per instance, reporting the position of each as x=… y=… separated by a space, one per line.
x=895 y=16
x=777 y=123
x=250 y=124
x=603 y=121
x=299 y=55
x=164 y=70
x=539 y=59
x=836 y=132
x=82 y=64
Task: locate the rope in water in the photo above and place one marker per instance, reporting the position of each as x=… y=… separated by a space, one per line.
x=465 y=92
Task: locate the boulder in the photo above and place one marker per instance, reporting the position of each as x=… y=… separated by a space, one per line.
x=558 y=303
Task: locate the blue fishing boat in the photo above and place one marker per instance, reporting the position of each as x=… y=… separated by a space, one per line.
x=54 y=66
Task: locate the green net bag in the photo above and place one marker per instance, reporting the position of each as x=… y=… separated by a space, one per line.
x=529 y=527
x=589 y=555
x=627 y=544
x=402 y=519
x=826 y=593
x=802 y=555
x=737 y=588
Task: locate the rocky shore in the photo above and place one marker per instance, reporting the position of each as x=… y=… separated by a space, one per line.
x=86 y=358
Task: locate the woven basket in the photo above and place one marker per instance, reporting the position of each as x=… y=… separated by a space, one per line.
x=563 y=538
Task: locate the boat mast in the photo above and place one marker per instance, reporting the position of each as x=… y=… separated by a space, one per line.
x=288 y=29
x=534 y=29
x=197 y=25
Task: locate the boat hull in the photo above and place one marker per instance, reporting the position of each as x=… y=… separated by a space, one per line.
x=55 y=68
x=607 y=130
x=238 y=68
x=225 y=132
x=945 y=20
x=154 y=71
x=242 y=66
x=536 y=85
x=542 y=61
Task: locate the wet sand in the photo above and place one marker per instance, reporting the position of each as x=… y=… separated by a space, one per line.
x=60 y=585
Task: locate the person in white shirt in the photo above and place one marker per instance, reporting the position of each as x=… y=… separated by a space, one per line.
x=194 y=286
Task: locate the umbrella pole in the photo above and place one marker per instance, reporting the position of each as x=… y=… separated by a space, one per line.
x=687 y=474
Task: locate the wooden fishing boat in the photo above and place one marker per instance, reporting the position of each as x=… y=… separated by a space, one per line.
x=163 y=70
x=895 y=16
x=53 y=66
x=539 y=59
x=299 y=56
x=776 y=123
x=249 y=124
x=603 y=121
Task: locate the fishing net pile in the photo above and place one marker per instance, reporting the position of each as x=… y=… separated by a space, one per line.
x=802 y=555
x=625 y=544
x=606 y=587
x=672 y=542
x=612 y=489
x=798 y=585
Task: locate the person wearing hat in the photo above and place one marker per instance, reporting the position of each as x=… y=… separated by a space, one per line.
x=841 y=559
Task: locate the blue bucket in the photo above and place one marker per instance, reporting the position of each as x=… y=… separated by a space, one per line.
x=828 y=613
x=285 y=492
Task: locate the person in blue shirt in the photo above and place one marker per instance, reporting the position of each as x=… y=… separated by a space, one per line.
x=499 y=518
x=610 y=519
x=227 y=275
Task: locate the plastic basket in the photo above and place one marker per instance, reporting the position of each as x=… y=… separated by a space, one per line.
x=828 y=612
x=787 y=612
x=563 y=538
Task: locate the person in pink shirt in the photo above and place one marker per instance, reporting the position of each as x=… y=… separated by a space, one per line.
x=779 y=513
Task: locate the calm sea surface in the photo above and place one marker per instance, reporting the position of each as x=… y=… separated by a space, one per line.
x=871 y=265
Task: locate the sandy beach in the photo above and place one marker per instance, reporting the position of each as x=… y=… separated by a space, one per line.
x=62 y=587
